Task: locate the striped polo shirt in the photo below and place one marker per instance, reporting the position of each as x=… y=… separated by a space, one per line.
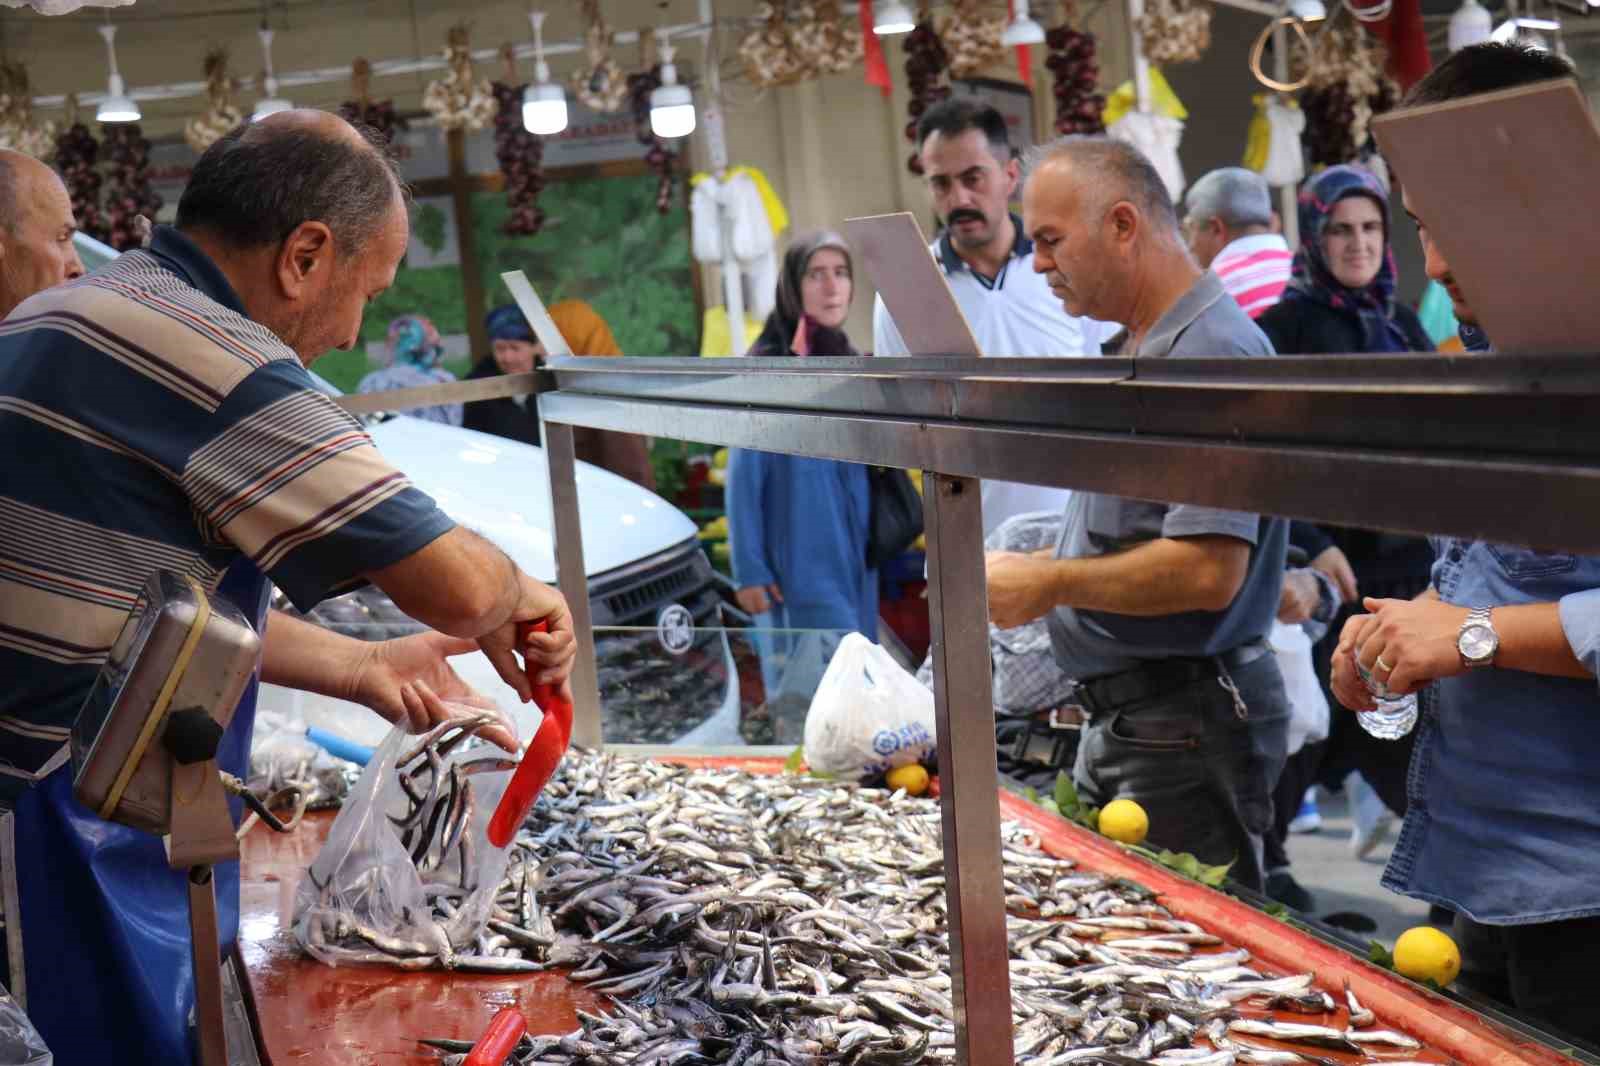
x=149 y=424
x=1255 y=271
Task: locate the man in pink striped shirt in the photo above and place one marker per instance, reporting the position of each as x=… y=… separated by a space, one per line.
x=1229 y=225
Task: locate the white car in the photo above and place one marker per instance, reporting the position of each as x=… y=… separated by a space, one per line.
x=666 y=672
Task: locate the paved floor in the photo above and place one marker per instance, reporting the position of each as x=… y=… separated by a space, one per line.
x=1340 y=882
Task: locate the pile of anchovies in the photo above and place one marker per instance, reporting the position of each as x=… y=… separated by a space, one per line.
x=755 y=920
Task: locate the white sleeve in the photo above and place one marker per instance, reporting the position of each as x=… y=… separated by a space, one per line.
x=885 y=337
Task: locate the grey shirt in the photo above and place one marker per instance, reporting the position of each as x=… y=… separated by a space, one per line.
x=1204 y=322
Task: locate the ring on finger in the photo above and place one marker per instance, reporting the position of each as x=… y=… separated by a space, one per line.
x=1381 y=665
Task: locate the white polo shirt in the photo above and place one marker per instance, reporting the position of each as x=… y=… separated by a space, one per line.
x=1015 y=314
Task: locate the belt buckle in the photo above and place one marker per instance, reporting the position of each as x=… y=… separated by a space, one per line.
x=1057 y=725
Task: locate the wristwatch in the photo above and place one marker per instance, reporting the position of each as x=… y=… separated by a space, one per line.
x=1476 y=641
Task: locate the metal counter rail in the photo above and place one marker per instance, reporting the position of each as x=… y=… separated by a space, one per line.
x=1489 y=447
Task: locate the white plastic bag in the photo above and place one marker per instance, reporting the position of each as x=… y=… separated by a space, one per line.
x=365 y=887
x=868 y=715
x=20 y=1043
x=1308 y=707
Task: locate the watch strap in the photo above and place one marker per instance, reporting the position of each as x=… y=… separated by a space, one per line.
x=1477 y=616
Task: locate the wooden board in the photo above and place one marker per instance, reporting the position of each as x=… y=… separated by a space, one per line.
x=912 y=285
x=310 y=1012
x=1505 y=183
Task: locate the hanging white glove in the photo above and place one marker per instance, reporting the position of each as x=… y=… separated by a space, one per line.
x=1158 y=137
x=1285 y=161
x=752 y=233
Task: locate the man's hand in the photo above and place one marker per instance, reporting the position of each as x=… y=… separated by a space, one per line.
x=1300 y=596
x=1346 y=684
x=758 y=599
x=1019 y=587
x=1415 y=639
x=410 y=682
x=546 y=658
x=1331 y=561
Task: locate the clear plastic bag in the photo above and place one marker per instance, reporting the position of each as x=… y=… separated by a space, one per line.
x=370 y=898
x=1025 y=677
x=20 y=1042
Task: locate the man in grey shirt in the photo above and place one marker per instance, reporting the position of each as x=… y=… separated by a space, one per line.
x=1160 y=610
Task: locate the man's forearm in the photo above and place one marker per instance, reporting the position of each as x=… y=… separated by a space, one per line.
x=1532 y=639
x=461 y=584
x=1159 y=577
x=297 y=654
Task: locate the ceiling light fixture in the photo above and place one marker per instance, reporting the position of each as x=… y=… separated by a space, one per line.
x=118 y=106
x=890 y=17
x=544 y=104
x=671 y=104
x=1307 y=10
x=271 y=103
x=1022 y=29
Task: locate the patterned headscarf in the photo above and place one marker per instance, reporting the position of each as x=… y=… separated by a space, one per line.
x=1373 y=304
x=505 y=323
x=413 y=341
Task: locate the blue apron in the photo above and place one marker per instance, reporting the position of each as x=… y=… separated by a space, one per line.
x=105 y=920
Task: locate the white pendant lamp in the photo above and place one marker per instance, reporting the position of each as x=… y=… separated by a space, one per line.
x=1471 y=24
x=544 y=104
x=271 y=103
x=117 y=106
x=890 y=17
x=671 y=104
x=1307 y=10
x=1022 y=29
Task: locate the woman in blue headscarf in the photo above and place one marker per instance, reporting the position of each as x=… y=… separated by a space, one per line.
x=414 y=354
x=1340 y=299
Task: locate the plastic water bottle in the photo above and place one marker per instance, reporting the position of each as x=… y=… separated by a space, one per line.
x=1395 y=716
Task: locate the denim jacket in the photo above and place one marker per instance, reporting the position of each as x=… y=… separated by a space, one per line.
x=1503 y=818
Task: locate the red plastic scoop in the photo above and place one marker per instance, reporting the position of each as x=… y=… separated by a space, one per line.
x=499 y=1040
x=541 y=759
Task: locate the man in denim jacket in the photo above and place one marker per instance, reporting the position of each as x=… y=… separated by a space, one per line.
x=1502 y=825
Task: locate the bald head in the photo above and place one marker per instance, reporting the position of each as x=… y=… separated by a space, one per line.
x=260 y=181
x=36 y=228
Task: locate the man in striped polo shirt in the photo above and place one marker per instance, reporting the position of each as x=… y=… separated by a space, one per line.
x=1229 y=226
x=159 y=415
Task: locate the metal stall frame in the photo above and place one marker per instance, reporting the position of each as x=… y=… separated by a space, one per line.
x=1497 y=448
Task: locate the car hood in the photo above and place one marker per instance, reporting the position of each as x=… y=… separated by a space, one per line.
x=500 y=488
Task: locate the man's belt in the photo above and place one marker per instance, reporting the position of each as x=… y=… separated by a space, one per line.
x=1102 y=695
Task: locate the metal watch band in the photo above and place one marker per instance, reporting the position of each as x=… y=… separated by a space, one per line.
x=1478 y=616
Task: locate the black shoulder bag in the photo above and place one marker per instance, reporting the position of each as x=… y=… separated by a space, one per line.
x=896 y=521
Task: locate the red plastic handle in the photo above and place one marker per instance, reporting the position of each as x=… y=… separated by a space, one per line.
x=543 y=756
x=498 y=1041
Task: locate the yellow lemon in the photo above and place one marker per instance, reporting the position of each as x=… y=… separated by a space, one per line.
x=1125 y=821
x=913 y=778
x=1424 y=953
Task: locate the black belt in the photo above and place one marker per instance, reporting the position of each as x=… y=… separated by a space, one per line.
x=1102 y=695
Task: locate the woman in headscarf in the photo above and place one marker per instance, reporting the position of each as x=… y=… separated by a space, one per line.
x=515 y=350
x=414 y=354
x=1340 y=301
x=797 y=526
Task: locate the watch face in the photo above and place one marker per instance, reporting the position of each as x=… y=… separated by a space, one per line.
x=1478 y=642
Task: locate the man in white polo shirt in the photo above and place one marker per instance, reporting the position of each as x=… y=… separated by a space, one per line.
x=971 y=176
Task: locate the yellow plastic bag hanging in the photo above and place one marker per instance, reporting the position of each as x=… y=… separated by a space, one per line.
x=715 y=338
x=1163 y=101
x=1258 y=140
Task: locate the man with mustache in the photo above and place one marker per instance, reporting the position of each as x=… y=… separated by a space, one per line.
x=1160 y=610
x=1501 y=822
x=971 y=177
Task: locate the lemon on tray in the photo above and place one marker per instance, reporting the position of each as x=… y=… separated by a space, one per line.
x=911 y=777
x=1124 y=821
x=1424 y=953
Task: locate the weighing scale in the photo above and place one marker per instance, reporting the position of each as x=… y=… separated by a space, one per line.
x=144 y=752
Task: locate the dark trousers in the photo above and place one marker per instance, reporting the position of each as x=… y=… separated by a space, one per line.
x=1543 y=971
x=1202 y=772
x=1299 y=774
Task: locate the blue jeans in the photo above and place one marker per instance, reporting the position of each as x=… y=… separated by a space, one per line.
x=1202 y=772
